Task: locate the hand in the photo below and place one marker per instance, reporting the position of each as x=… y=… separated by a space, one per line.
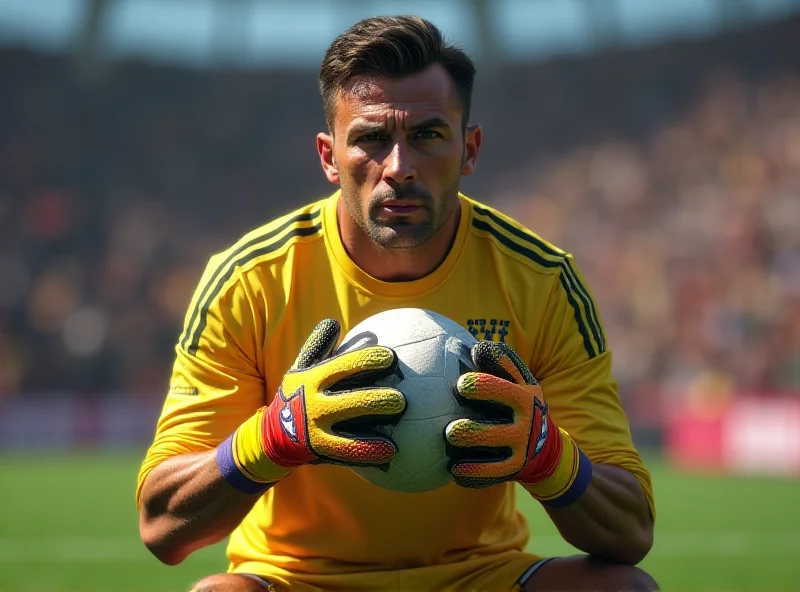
x=319 y=393
x=520 y=442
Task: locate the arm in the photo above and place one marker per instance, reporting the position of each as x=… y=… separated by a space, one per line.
x=193 y=500
x=210 y=462
x=568 y=437
x=611 y=519
x=598 y=507
x=184 y=502
x=187 y=505
x=614 y=516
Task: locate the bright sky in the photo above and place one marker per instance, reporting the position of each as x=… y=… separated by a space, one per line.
x=298 y=31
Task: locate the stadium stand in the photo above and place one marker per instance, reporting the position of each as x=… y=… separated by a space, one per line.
x=675 y=187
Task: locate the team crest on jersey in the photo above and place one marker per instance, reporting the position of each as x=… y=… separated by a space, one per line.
x=488 y=329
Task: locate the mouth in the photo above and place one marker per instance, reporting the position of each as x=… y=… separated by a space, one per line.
x=400 y=207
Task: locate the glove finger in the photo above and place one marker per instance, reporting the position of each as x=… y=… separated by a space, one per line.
x=499 y=359
x=319 y=344
x=468 y=432
x=483 y=474
x=372 y=450
x=358 y=367
x=362 y=403
x=479 y=386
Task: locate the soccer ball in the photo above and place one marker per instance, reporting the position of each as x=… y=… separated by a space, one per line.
x=433 y=351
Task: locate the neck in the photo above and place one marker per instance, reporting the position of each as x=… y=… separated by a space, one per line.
x=396 y=265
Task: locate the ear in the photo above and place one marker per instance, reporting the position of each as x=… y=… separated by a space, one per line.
x=472 y=146
x=326 y=159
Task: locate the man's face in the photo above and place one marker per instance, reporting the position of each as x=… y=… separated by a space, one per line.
x=398 y=151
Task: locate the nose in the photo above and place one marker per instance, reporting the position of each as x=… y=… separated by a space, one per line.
x=398 y=167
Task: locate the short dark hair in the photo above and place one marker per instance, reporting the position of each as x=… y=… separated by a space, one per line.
x=392 y=47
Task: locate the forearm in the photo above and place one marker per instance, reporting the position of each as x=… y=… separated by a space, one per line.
x=187 y=505
x=611 y=519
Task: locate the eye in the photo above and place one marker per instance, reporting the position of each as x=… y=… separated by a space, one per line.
x=427 y=134
x=367 y=138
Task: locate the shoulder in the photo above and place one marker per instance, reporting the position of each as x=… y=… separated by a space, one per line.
x=553 y=281
x=232 y=277
x=272 y=240
x=514 y=241
x=264 y=246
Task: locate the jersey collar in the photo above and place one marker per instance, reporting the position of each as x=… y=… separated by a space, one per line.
x=360 y=279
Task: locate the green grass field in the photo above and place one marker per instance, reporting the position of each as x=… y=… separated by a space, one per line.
x=68 y=523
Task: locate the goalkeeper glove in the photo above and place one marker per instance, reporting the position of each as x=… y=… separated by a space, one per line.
x=522 y=444
x=304 y=422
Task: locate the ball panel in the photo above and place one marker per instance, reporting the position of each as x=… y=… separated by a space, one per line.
x=421 y=358
x=457 y=359
x=427 y=397
x=404 y=325
x=419 y=454
x=432 y=353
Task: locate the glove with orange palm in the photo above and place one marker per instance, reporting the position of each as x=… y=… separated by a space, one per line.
x=521 y=442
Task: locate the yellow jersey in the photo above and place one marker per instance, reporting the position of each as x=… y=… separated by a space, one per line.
x=258 y=301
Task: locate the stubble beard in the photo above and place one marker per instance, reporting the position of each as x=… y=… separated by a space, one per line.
x=400 y=232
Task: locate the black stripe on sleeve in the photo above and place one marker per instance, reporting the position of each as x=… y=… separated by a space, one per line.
x=231 y=268
x=568 y=281
x=585 y=298
x=224 y=266
x=594 y=323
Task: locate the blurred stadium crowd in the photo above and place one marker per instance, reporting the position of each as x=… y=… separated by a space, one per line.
x=113 y=196
x=692 y=239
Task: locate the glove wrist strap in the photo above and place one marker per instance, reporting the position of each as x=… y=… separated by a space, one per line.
x=248 y=460
x=230 y=471
x=569 y=479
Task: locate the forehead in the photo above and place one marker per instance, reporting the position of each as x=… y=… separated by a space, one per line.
x=430 y=92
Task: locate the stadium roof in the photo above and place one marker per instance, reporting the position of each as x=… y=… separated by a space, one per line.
x=295 y=32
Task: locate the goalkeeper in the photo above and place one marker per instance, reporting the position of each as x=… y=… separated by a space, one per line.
x=261 y=420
